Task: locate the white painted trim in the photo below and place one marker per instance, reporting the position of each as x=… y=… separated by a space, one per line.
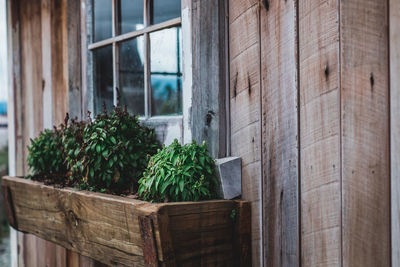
x=12 y=167
x=187 y=73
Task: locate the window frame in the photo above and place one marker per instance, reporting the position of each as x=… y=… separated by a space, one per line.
x=117 y=38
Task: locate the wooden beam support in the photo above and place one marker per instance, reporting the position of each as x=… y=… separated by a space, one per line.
x=208 y=114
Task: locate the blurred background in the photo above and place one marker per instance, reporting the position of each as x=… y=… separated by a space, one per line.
x=4 y=229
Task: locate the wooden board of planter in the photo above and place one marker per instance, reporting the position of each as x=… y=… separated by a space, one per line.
x=127 y=232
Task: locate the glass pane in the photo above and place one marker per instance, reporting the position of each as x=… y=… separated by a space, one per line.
x=102 y=19
x=164 y=10
x=131 y=15
x=166 y=73
x=103 y=78
x=131 y=75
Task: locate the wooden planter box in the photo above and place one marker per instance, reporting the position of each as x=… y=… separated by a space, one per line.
x=126 y=232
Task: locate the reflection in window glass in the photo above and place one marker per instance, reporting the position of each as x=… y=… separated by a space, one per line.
x=102 y=20
x=164 y=10
x=166 y=74
x=131 y=75
x=131 y=15
x=103 y=78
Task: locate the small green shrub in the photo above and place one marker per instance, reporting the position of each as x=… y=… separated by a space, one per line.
x=45 y=155
x=114 y=153
x=179 y=173
x=72 y=141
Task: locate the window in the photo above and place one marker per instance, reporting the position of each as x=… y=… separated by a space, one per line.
x=136 y=53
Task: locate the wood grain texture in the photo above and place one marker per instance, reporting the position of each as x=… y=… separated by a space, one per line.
x=106 y=227
x=15 y=114
x=148 y=241
x=320 y=133
x=32 y=97
x=48 y=252
x=394 y=7
x=365 y=133
x=208 y=116
x=64 y=226
x=279 y=133
x=245 y=109
x=72 y=259
x=59 y=58
x=74 y=58
x=242 y=236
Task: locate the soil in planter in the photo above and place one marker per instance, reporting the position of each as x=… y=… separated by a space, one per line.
x=62 y=181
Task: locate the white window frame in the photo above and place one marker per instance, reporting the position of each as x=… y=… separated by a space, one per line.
x=117 y=38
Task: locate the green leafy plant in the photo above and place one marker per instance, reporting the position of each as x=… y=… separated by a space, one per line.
x=45 y=155
x=179 y=173
x=114 y=153
x=72 y=141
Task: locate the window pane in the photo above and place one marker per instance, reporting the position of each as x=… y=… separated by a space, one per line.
x=102 y=19
x=164 y=10
x=131 y=15
x=131 y=75
x=103 y=78
x=166 y=75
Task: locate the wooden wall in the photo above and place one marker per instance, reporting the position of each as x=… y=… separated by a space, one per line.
x=45 y=53
x=245 y=84
x=313 y=115
x=310 y=117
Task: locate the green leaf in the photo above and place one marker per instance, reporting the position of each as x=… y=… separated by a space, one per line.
x=181 y=184
x=77 y=150
x=113 y=140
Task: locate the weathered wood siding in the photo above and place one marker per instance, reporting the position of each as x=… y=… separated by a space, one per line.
x=309 y=115
x=365 y=132
x=322 y=68
x=280 y=143
x=245 y=85
x=394 y=7
x=320 y=133
x=43 y=78
x=208 y=116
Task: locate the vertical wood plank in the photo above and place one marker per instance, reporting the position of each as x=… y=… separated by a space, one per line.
x=14 y=113
x=59 y=57
x=320 y=133
x=31 y=76
x=244 y=63
x=32 y=95
x=61 y=256
x=46 y=18
x=30 y=250
x=365 y=132
x=72 y=259
x=73 y=20
x=208 y=65
x=280 y=133
x=394 y=17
